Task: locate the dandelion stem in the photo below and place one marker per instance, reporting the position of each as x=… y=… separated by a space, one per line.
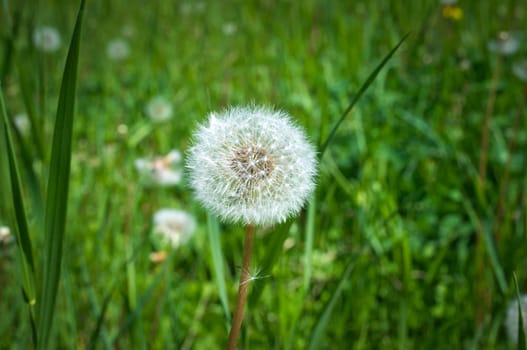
x=243 y=287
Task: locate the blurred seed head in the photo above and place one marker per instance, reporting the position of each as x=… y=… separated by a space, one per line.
x=161 y=171
x=118 y=49
x=5 y=235
x=252 y=165
x=505 y=44
x=22 y=123
x=47 y=39
x=511 y=319
x=158 y=109
x=174 y=226
x=520 y=70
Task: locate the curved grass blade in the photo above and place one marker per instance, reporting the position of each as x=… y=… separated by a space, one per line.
x=310 y=234
x=359 y=94
x=11 y=187
x=213 y=232
x=521 y=329
x=57 y=190
x=323 y=320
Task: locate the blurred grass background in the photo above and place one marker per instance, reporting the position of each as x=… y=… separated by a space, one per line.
x=411 y=248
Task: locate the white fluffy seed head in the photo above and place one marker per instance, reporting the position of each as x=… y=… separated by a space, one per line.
x=252 y=165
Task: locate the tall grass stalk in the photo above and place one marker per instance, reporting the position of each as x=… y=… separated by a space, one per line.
x=57 y=189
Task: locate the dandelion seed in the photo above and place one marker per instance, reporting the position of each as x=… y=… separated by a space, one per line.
x=161 y=171
x=46 y=39
x=506 y=44
x=252 y=165
x=520 y=70
x=174 y=227
x=118 y=49
x=511 y=320
x=158 y=109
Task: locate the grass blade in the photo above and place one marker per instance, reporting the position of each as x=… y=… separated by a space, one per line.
x=521 y=321
x=323 y=320
x=359 y=94
x=213 y=232
x=12 y=187
x=57 y=190
x=310 y=234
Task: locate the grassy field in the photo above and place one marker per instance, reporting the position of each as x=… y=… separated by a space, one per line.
x=410 y=241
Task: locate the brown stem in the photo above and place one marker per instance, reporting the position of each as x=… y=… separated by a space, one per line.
x=243 y=288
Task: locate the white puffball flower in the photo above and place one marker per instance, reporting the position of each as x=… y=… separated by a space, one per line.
x=252 y=165
x=5 y=235
x=46 y=39
x=174 y=226
x=520 y=70
x=505 y=44
x=118 y=49
x=158 y=109
x=161 y=171
x=22 y=123
x=511 y=319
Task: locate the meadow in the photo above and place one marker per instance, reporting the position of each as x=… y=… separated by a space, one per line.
x=412 y=239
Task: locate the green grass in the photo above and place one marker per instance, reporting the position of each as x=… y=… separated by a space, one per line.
x=401 y=247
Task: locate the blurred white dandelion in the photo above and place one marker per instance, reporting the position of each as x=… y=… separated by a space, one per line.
x=161 y=171
x=511 y=319
x=252 y=165
x=174 y=226
x=158 y=109
x=118 y=49
x=47 y=39
x=520 y=70
x=22 y=123
x=229 y=28
x=5 y=235
x=505 y=44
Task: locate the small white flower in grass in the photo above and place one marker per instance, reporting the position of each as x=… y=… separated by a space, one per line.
x=5 y=235
x=46 y=39
x=174 y=226
x=252 y=165
x=505 y=44
x=511 y=319
x=161 y=171
x=520 y=70
x=158 y=109
x=118 y=49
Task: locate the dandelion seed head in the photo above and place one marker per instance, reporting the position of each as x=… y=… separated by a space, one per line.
x=5 y=235
x=174 y=226
x=158 y=109
x=47 y=39
x=161 y=171
x=118 y=49
x=252 y=165
x=511 y=319
x=505 y=44
x=520 y=70
x=22 y=123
